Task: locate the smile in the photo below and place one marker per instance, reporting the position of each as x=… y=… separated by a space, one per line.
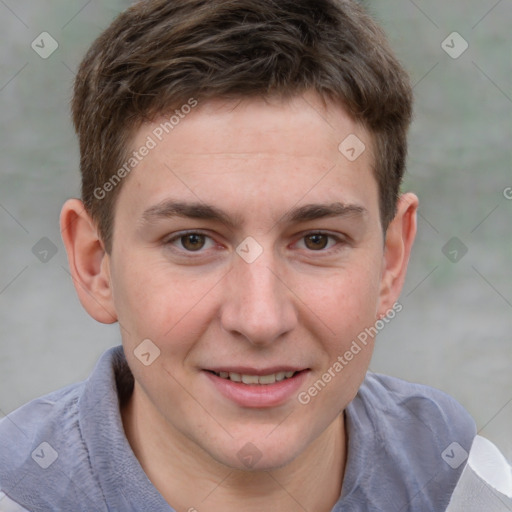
x=271 y=388
x=255 y=379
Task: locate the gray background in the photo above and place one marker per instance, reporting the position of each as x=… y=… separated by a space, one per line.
x=454 y=332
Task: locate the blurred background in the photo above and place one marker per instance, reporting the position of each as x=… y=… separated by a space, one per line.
x=454 y=332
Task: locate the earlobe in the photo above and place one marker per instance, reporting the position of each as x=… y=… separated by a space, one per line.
x=89 y=264
x=399 y=241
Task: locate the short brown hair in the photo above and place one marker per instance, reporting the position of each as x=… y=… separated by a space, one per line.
x=159 y=54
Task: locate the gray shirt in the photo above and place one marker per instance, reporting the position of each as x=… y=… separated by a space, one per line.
x=67 y=451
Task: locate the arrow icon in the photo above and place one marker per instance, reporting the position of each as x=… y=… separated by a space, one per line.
x=40 y=455
x=147 y=352
x=44 y=455
x=249 y=455
x=454 y=45
x=44 y=250
x=249 y=250
x=352 y=147
x=454 y=455
x=455 y=249
x=44 y=45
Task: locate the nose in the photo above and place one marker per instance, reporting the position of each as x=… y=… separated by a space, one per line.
x=258 y=304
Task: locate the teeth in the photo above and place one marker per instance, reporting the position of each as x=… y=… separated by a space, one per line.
x=266 y=379
x=250 y=379
x=256 y=379
x=236 y=377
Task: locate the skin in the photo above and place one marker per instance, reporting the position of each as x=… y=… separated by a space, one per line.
x=297 y=304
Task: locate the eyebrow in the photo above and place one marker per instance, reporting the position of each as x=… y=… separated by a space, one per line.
x=321 y=211
x=169 y=208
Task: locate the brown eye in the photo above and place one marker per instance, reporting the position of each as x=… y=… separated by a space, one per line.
x=193 y=241
x=316 y=242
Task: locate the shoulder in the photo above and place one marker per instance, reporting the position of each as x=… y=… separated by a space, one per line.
x=42 y=442
x=46 y=417
x=408 y=445
x=425 y=409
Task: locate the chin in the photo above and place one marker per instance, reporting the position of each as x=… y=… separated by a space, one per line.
x=260 y=454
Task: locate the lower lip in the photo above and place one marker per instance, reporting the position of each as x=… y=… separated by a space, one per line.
x=259 y=395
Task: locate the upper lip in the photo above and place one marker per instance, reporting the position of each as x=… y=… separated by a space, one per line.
x=247 y=370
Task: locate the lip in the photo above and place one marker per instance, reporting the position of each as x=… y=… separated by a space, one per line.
x=258 y=395
x=246 y=370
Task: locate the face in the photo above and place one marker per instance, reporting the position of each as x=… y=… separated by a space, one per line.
x=246 y=245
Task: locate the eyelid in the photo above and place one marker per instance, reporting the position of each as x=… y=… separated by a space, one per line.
x=341 y=240
x=169 y=240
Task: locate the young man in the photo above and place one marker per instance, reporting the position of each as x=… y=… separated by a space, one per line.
x=241 y=221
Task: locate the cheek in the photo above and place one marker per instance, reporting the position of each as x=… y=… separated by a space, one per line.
x=169 y=308
x=346 y=306
x=345 y=301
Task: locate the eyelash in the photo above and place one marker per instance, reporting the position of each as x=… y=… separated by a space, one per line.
x=340 y=242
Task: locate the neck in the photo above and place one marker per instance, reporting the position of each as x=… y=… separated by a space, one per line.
x=190 y=480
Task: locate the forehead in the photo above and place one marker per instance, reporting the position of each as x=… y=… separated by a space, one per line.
x=254 y=151
x=300 y=124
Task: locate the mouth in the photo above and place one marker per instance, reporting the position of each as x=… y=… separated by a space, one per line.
x=252 y=379
x=252 y=388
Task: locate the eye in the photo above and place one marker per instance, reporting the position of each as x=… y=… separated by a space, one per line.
x=316 y=242
x=191 y=242
x=319 y=241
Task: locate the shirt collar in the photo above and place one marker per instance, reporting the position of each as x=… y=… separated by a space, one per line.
x=124 y=484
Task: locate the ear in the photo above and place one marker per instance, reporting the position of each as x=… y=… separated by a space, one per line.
x=88 y=262
x=399 y=240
